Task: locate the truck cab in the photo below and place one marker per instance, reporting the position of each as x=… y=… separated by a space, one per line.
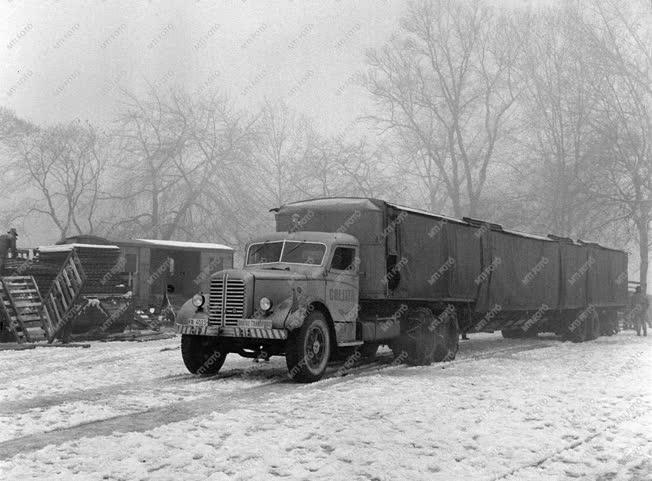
x=297 y=295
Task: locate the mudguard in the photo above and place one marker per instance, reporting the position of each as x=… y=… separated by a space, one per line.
x=301 y=306
x=187 y=311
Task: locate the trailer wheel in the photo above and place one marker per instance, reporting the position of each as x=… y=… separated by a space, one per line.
x=417 y=344
x=309 y=348
x=447 y=335
x=593 y=327
x=203 y=355
x=609 y=324
x=578 y=330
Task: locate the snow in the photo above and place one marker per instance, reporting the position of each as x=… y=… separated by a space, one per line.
x=180 y=244
x=69 y=247
x=532 y=409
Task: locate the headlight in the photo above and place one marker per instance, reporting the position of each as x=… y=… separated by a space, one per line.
x=152 y=310
x=198 y=300
x=265 y=303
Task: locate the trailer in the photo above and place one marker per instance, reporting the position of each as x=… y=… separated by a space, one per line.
x=344 y=273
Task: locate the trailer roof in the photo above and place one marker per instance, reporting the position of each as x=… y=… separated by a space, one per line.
x=374 y=204
x=336 y=203
x=69 y=247
x=425 y=212
x=181 y=244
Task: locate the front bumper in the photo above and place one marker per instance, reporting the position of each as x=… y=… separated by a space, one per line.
x=233 y=331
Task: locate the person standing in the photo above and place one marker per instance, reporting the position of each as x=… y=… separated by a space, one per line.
x=7 y=245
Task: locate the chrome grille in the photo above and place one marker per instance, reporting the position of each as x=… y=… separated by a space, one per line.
x=235 y=301
x=226 y=306
x=216 y=301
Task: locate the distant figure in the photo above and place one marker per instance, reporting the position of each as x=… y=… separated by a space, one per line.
x=638 y=310
x=8 y=244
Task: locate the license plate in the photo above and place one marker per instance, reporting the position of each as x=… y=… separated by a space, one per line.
x=258 y=323
x=198 y=322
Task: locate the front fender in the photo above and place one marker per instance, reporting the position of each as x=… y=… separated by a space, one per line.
x=301 y=307
x=188 y=310
x=278 y=315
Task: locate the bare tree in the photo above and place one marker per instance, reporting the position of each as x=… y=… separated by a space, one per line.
x=65 y=166
x=445 y=85
x=187 y=161
x=283 y=144
x=152 y=136
x=620 y=34
x=559 y=110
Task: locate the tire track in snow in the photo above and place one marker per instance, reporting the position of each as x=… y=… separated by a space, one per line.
x=145 y=420
x=580 y=442
x=264 y=374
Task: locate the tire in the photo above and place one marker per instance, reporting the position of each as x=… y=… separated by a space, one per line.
x=308 y=349
x=447 y=337
x=593 y=327
x=578 y=331
x=203 y=355
x=608 y=324
x=416 y=346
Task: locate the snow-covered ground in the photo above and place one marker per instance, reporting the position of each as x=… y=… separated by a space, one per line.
x=505 y=409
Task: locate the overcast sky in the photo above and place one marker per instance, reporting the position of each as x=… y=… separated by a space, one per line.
x=63 y=60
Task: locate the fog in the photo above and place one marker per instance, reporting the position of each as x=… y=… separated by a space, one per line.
x=190 y=121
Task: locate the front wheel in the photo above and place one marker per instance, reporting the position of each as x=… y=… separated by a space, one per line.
x=308 y=349
x=203 y=355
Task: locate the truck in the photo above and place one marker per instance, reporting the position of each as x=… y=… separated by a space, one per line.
x=348 y=274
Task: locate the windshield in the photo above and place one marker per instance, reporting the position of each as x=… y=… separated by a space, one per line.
x=291 y=252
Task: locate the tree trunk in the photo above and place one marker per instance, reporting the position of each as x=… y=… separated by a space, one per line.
x=644 y=251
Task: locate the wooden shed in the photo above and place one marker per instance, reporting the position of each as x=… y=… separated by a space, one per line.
x=155 y=267
x=179 y=268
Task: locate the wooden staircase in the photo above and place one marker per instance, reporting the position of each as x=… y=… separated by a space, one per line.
x=60 y=300
x=22 y=307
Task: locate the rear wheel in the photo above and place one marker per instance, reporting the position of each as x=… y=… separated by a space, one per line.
x=593 y=326
x=203 y=355
x=428 y=338
x=609 y=324
x=419 y=341
x=309 y=348
x=447 y=334
x=580 y=328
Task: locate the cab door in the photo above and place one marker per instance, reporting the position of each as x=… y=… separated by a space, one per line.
x=342 y=291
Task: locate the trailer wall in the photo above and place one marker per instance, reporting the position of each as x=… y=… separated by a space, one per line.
x=575 y=263
x=414 y=255
x=605 y=277
x=518 y=273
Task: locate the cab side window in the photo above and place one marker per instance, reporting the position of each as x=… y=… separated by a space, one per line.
x=343 y=259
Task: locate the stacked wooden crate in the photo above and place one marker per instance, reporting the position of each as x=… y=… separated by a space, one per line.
x=100 y=303
x=24 y=316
